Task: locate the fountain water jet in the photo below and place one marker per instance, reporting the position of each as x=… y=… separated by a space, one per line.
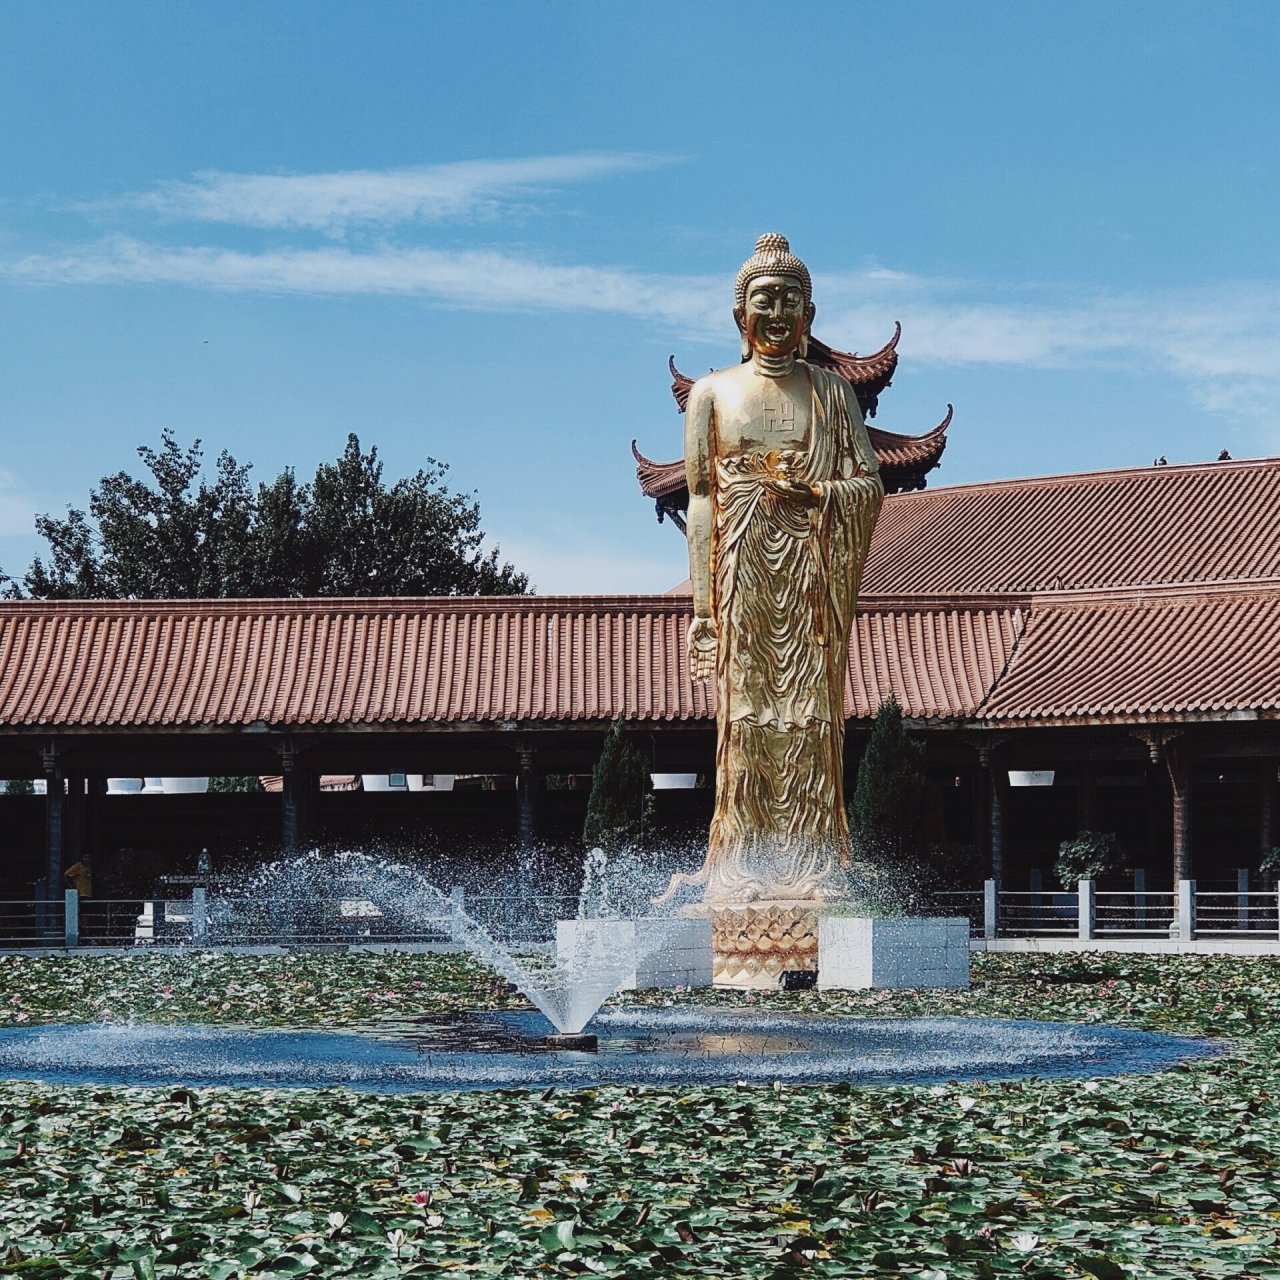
x=567 y=985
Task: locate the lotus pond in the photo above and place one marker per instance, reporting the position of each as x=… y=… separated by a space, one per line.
x=1172 y=1175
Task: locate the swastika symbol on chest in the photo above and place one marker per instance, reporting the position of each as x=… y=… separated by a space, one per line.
x=779 y=417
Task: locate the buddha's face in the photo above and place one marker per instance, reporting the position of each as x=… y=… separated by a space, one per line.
x=775 y=317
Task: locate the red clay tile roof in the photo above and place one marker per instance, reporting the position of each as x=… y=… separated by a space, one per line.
x=1145 y=656
x=1205 y=522
x=1129 y=596
x=940 y=663
x=295 y=662
x=314 y=662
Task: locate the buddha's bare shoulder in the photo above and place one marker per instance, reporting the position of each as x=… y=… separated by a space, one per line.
x=720 y=382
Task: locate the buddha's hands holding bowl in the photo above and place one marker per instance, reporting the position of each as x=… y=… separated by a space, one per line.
x=701 y=644
x=792 y=490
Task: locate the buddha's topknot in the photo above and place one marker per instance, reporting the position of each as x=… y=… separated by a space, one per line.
x=773 y=257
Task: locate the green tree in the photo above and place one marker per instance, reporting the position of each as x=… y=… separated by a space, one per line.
x=20 y=787
x=1088 y=855
x=232 y=785
x=620 y=808
x=889 y=796
x=176 y=534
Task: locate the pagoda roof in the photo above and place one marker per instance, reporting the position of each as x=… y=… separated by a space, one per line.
x=904 y=463
x=905 y=460
x=869 y=375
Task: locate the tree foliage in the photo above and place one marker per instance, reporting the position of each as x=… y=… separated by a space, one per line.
x=889 y=797
x=1088 y=855
x=177 y=534
x=236 y=785
x=620 y=808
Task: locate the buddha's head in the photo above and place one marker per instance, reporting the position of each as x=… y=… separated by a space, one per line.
x=774 y=300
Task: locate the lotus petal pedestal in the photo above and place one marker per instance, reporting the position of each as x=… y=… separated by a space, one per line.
x=754 y=943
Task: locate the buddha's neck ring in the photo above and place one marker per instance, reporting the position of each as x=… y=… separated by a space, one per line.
x=774 y=366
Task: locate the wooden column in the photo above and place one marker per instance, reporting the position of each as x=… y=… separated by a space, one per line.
x=1178 y=764
x=93 y=837
x=292 y=800
x=993 y=766
x=1087 y=805
x=55 y=810
x=75 y=839
x=526 y=798
x=1267 y=771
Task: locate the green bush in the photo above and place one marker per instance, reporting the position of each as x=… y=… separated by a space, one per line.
x=1088 y=855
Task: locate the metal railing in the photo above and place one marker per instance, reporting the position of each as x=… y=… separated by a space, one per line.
x=1133 y=914
x=222 y=920
x=1227 y=914
x=27 y=923
x=1183 y=914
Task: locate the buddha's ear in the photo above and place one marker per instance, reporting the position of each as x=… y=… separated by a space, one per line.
x=809 y=312
x=740 y=319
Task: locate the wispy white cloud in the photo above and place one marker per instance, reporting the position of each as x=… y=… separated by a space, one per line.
x=332 y=201
x=487 y=279
x=1223 y=341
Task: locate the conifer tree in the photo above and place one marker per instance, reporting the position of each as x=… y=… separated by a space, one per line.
x=889 y=796
x=620 y=807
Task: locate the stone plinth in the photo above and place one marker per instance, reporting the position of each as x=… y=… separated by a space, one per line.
x=857 y=952
x=661 y=952
x=753 y=943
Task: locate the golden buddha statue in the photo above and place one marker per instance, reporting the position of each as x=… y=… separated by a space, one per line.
x=784 y=489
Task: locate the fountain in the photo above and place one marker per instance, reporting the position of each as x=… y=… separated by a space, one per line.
x=567 y=977
x=552 y=1046
x=658 y=1047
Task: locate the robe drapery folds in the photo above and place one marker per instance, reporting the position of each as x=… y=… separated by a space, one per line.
x=784 y=586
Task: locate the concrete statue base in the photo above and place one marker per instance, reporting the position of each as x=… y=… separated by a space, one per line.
x=661 y=952
x=902 y=953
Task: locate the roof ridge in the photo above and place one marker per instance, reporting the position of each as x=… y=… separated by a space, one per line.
x=1024 y=621
x=240 y=605
x=1015 y=482
x=1179 y=590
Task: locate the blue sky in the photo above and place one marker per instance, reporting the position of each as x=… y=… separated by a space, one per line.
x=475 y=232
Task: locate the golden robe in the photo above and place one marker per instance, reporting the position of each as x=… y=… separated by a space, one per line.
x=784 y=587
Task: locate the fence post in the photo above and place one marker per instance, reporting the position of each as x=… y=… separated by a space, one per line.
x=457 y=905
x=71 y=919
x=1085 y=911
x=1242 y=897
x=199 y=916
x=1185 y=920
x=1139 y=897
x=990 y=908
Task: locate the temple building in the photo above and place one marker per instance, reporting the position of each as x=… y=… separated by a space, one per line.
x=1096 y=651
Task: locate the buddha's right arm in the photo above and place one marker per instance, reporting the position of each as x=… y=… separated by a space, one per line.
x=698 y=463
